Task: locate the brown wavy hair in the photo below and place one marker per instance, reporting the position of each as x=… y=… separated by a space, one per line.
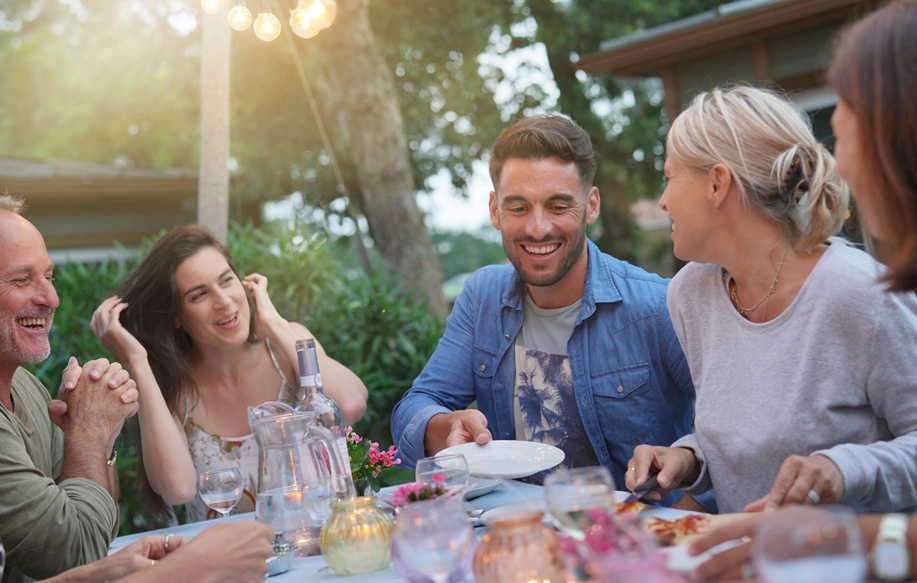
x=154 y=306
x=875 y=73
x=544 y=136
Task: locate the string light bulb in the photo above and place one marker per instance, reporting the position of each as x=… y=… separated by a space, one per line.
x=240 y=17
x=267 y=26
x=323 y=13
x=212 y=6
x=301 y=21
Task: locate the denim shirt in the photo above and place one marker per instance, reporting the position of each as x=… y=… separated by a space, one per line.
x=630 y=377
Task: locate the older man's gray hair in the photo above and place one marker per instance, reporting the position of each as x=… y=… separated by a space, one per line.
x=11 y=204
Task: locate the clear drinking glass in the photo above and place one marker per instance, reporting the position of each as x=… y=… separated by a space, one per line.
x=431 y=539
x=571 y=494
x=449 y=470
x=816 y=546
x=220 y=489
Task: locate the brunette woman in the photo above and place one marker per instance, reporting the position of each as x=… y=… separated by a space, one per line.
x=204 y=345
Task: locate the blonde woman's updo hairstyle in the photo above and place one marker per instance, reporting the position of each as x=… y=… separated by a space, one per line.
x=780 y=170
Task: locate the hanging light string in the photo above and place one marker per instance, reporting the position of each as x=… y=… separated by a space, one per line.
x=338 y=175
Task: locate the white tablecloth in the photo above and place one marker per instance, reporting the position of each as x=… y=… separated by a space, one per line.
x=315 y=569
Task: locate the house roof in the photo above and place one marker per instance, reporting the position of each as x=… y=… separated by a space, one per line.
x=56 y=178
x=644 y=53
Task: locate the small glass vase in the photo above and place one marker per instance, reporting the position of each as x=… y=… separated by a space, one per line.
x=518 y=548
x=363 y=487
x=357 y=537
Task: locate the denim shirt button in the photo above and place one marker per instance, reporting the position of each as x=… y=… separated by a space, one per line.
x=506 y=336
x=484 y=366
x=620 y=388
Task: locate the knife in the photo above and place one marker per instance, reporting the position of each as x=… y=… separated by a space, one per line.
x=651 y=485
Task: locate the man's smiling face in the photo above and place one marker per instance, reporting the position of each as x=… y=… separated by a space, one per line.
x=27 y=296
x=542 y=209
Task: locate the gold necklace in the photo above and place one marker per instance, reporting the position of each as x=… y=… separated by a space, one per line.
x=745 y=312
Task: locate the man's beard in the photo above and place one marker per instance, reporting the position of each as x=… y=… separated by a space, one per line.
x=574 y=250
x=10 y=347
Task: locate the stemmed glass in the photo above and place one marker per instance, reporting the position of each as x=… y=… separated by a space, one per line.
x=451 y=471
x=221 y=490
x=816 y=546
x=570 y=495
x=431 y=540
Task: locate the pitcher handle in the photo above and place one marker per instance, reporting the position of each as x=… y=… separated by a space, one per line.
x=343 y=479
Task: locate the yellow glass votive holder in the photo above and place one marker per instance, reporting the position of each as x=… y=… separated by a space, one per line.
x=357 y=537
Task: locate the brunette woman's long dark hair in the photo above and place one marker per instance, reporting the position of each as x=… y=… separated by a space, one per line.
x=875 y=73
x=153 y=315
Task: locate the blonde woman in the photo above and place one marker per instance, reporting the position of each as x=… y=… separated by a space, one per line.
x=803 y=365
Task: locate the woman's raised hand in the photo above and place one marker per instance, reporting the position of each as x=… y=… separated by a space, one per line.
x=676 y=466
x=106 y=325
x=267 y=315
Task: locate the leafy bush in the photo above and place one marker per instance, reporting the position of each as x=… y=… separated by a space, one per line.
x=367 y=323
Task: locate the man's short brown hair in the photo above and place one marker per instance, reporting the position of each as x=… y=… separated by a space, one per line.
x=11 y=204
x=544 y=136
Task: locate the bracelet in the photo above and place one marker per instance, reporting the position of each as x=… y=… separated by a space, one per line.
x=114 y=457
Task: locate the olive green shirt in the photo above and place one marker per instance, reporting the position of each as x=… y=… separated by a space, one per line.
x=45 y=527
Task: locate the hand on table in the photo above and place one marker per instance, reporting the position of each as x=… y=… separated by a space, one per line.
x=798 y=476
x=229 y=553
x=727 y=565
x=676 y=466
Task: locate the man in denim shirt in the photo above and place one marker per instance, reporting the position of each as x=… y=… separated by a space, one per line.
x=568 y=346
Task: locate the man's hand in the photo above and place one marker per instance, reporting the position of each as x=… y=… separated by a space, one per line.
x=798 y=476
x=468 y=426
x=675 y=465
x=448 y=429
x=121 y=380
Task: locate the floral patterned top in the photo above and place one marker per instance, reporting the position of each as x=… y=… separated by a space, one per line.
x=215 y=452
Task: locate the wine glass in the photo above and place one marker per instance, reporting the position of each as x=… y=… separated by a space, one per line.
x=450 y=471
x=816 y=546
x=431 y=540
x=570 y=495
x=220 y=489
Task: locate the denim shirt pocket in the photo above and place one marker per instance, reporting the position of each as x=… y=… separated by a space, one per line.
x=625 y=404
x=484 y=365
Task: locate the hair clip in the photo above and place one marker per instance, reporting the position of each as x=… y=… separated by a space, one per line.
x=792 y=181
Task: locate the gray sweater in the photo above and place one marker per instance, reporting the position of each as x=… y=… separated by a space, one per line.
x=835 y=374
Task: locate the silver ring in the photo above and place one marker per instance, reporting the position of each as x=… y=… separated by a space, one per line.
x=254 y=285
x=814 y=497
x=748 y=570
x=631 y=469
x=167 y=542
x=152 y=563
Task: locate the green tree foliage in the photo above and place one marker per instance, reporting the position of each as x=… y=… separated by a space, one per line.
x=366 y=323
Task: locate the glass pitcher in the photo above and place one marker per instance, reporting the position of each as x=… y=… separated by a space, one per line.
x=296 y=454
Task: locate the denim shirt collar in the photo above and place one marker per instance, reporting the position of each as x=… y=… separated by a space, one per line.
x=600 y=286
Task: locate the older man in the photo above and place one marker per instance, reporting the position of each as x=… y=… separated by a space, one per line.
x=58 y=485
x=567 y=346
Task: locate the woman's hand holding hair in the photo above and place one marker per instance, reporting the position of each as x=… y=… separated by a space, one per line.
x=676 y=466
x=810 y=479
x=106 y=325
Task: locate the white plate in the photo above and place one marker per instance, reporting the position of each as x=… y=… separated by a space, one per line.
x=480 y=486
x=536 y=504
x=507 y=459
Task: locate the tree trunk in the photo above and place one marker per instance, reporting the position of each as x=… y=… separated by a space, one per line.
x=369 y=114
